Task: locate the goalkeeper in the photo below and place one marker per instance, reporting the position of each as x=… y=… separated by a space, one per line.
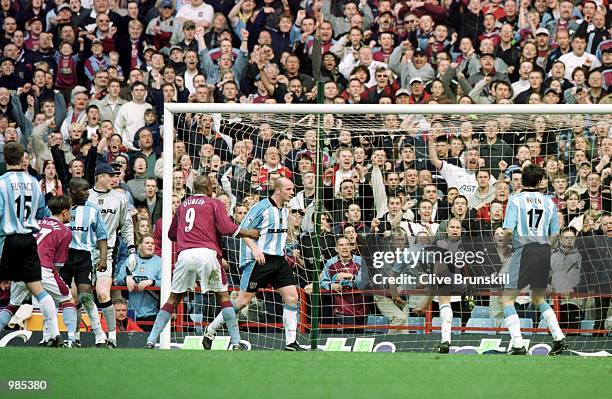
x=113 y=206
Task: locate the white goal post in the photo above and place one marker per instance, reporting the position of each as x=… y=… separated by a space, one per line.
x=169 y=134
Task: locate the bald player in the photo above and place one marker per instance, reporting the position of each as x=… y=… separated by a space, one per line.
x=263 y=262
x=197 y=227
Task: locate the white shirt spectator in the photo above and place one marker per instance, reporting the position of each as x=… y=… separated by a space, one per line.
x=572 y=61
x=129 y=119
x=460 y=178
x=204 y=13
x=348 y=63
x=519 y=87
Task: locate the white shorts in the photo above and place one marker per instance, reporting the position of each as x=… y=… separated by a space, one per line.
x=95 y=256
x=51 y=282
x=198 y=264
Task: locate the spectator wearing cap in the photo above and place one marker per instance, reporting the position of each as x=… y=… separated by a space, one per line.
x=97 y=61
x=343 y=24
x=542 y=37
x=131 y=115
x=551 y=96
x=34 y=28
x=161 y=27
x=402 y=96
x=8 y=77
x=35 y=10
x=578 y=57
x=470 y=64
x=409 y=64
x=418 y=95
x=64 y=16
x=487 y=70
x=186 y=40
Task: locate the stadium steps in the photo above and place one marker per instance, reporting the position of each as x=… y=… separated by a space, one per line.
x=437 y=322
x=481 y=312
x=587 y=325
x=416 y=321
x=377 y=320
x=482 y=323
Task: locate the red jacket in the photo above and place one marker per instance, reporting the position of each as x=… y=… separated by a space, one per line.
x=130 y=327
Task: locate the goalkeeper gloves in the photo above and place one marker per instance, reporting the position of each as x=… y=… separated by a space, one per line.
x=131 y=260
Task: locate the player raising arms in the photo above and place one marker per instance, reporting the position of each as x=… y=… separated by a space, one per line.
x=270 y=217
x=113 y=206
x=197 y=227
x=23 y=205
x=53 y=240
x=88 y=233
x=531 y=220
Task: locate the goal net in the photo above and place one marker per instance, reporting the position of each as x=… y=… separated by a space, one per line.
x=396 y=208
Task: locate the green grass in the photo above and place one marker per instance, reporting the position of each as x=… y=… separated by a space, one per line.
x=156 y=374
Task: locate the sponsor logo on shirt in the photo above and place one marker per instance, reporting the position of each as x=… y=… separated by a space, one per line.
x=276 y=231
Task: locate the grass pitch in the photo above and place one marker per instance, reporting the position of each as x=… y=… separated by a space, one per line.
x=91 y=373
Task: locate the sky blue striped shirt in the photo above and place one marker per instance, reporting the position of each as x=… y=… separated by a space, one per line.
x=272 y=223
x=87 y=227
x=532 y=216
x=22 y=204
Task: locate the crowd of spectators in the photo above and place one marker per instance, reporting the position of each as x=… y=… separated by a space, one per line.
x=84 y=82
